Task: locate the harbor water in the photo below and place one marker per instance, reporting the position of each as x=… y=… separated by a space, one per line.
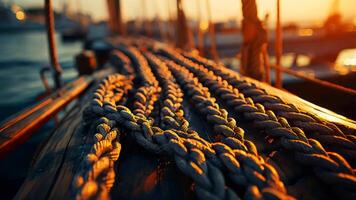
x=22 y=55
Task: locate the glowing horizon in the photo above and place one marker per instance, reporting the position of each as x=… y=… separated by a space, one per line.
x=301 y=11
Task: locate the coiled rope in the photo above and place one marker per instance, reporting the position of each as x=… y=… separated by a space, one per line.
x=262 y=175
x=229 y=167
x=326 y=132
x=328 y=166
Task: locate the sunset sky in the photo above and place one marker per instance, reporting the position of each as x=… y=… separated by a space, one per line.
x=302 y=11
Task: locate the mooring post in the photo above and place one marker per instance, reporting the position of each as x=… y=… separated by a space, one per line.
x=52 y=43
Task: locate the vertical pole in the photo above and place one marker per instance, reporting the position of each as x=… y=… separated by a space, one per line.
x=182 y=29
x=265 y=53
x=212 y=34
x=113 y=20
x=52 y=43
x=278 y=47
x=110 y=20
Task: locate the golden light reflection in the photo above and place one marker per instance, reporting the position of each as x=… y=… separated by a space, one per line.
x=341 y=70
x=20 y=15
x=350 y=62
x=204 y=25
x=305 y=32
x=347 y=58
x=353 y=68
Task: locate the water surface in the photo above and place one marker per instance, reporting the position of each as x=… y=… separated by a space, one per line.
x=22 y=55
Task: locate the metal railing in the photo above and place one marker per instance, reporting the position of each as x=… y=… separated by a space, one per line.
x=316 y=81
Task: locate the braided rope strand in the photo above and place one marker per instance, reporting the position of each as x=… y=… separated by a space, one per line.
x=98 y=175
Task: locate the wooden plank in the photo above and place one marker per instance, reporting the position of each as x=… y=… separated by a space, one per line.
x=63 y=148
x=43 y=173
x=15 y=131
x=77 y=147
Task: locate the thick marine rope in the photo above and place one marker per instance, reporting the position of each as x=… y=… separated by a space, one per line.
x=98 y=175
x=121 y=62
x=209 y=174
x=255 y=172
x=187 y=152
x=201 y=160
x=190 y=154
x=326 y=132
x=146 y=93
x=172 y=114
x=328 y=166
x=192 y=164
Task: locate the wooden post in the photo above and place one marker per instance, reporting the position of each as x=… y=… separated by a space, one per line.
x=115 y=17
x=278 y=47
x=109 y=4
x=183 y=39
x=265 y=54
x=52 y=43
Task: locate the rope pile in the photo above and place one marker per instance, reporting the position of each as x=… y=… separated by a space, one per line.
x=328 y=166
x=249 y=169
x=149 y=109
x=326 y=132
